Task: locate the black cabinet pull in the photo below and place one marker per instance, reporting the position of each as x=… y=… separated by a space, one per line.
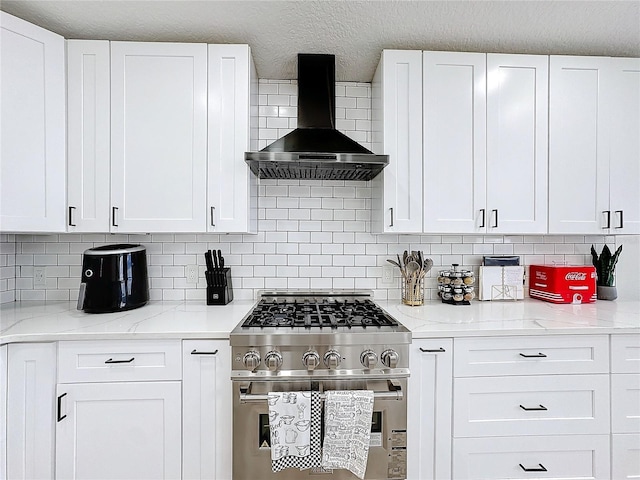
x=539 y=468
x=195 y=352
x=535 y=355
x=532 y=409
x=71 y=209
x=61 y=417
x=427 y=350
x=113 y=216
x=608 y=214
x=496 y=217
x=391 y=212
x=111 y=360
x=213 y=210
x=621 y=219
x=483 y=211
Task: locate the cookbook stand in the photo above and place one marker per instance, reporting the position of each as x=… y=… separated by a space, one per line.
x=221 y=292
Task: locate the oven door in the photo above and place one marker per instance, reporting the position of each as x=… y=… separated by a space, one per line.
x=251 y=435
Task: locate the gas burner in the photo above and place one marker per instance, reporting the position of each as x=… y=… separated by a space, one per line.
x=311 y=313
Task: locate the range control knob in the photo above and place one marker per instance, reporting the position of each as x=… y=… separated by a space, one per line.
x=273 y=360
x=332 y=359
x=368 y=358
x=310 y=359
x=389 y=358
x=251 y=360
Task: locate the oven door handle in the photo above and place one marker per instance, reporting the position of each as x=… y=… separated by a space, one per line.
x=394 y=393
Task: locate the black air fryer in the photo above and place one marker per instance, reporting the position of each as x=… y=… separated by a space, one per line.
x=114 y=278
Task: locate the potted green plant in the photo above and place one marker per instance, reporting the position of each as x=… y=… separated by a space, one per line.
x=605 y=270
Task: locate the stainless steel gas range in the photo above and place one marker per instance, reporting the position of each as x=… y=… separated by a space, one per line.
x=319 y=341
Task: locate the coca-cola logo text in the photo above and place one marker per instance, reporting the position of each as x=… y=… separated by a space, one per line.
x=576 y=276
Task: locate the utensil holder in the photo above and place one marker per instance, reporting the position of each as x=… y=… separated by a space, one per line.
x=222 y=292
x=412 y=291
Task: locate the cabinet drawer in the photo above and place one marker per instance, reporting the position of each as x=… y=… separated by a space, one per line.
x=539 y=405
x=625 y=353
x=562 y=457
x=625 y=456
x=625 y=403
x=532 y=355
x=119 y=361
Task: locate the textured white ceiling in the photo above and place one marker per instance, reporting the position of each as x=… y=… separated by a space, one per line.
x=355 y=31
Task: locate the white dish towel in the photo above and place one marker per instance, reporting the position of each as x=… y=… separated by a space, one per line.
x=347 y=429
x=294 y=423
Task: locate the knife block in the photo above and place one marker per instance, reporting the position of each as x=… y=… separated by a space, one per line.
x=223 y=293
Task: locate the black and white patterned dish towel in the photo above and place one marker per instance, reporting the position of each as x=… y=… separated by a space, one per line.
x=347 y=430
x=294 y=422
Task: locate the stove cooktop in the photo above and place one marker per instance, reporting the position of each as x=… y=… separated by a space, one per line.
x=311 y=313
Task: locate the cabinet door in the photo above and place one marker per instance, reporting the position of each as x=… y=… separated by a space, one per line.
x=119 y=431
x=578 y=145
x=88 y=135
x=32 y=133
x=517 y=119
x=454 y=142
x=3 y=412
x=31 y=387
x=397 y=132
x=429 y=410
x=232 y=189
x=158 y=137
x=624 y=163
x=206 y=403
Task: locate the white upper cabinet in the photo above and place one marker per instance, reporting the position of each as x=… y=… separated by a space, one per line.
x=578 y=145
x=594 y=146
x=158 y=137
x=88 y=135
x=485 y=141
x=32 y=133
x=397 y=132
x=517 y=162
x=624 y=162
x=454 y=141
x=233 y=121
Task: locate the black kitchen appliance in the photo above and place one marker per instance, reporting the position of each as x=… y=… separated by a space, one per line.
x=114 y=278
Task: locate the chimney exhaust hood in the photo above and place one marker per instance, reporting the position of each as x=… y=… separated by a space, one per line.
x=316 y=150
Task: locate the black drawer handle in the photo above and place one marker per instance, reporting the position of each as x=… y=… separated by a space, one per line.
x=427 y=350
x=195 y=352
x=111 y=360
x=61 y=417
x=539 y=468
x=535 y=355
x=530 y=409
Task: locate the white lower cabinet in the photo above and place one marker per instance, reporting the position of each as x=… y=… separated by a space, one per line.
x=119 y=430
x=429 y=410
x=550 y=457
x=625 y=456
x=119 y=414
x=31 y=386
x=3 y=412
x=206 y=404
x=531 y=407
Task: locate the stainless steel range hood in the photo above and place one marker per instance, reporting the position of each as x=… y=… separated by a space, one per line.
x=316 y=150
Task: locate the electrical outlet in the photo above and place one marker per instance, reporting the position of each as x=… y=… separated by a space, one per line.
x=387 y=274
x=191 y=272
x=39 y=277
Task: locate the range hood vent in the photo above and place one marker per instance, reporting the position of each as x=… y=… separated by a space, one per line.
x=316 y=150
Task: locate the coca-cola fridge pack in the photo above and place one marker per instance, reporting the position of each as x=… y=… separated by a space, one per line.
x=562 y=283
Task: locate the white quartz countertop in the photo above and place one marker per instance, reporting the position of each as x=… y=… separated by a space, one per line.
x=51 y=321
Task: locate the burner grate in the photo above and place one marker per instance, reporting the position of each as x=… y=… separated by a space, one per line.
x=313 y=313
